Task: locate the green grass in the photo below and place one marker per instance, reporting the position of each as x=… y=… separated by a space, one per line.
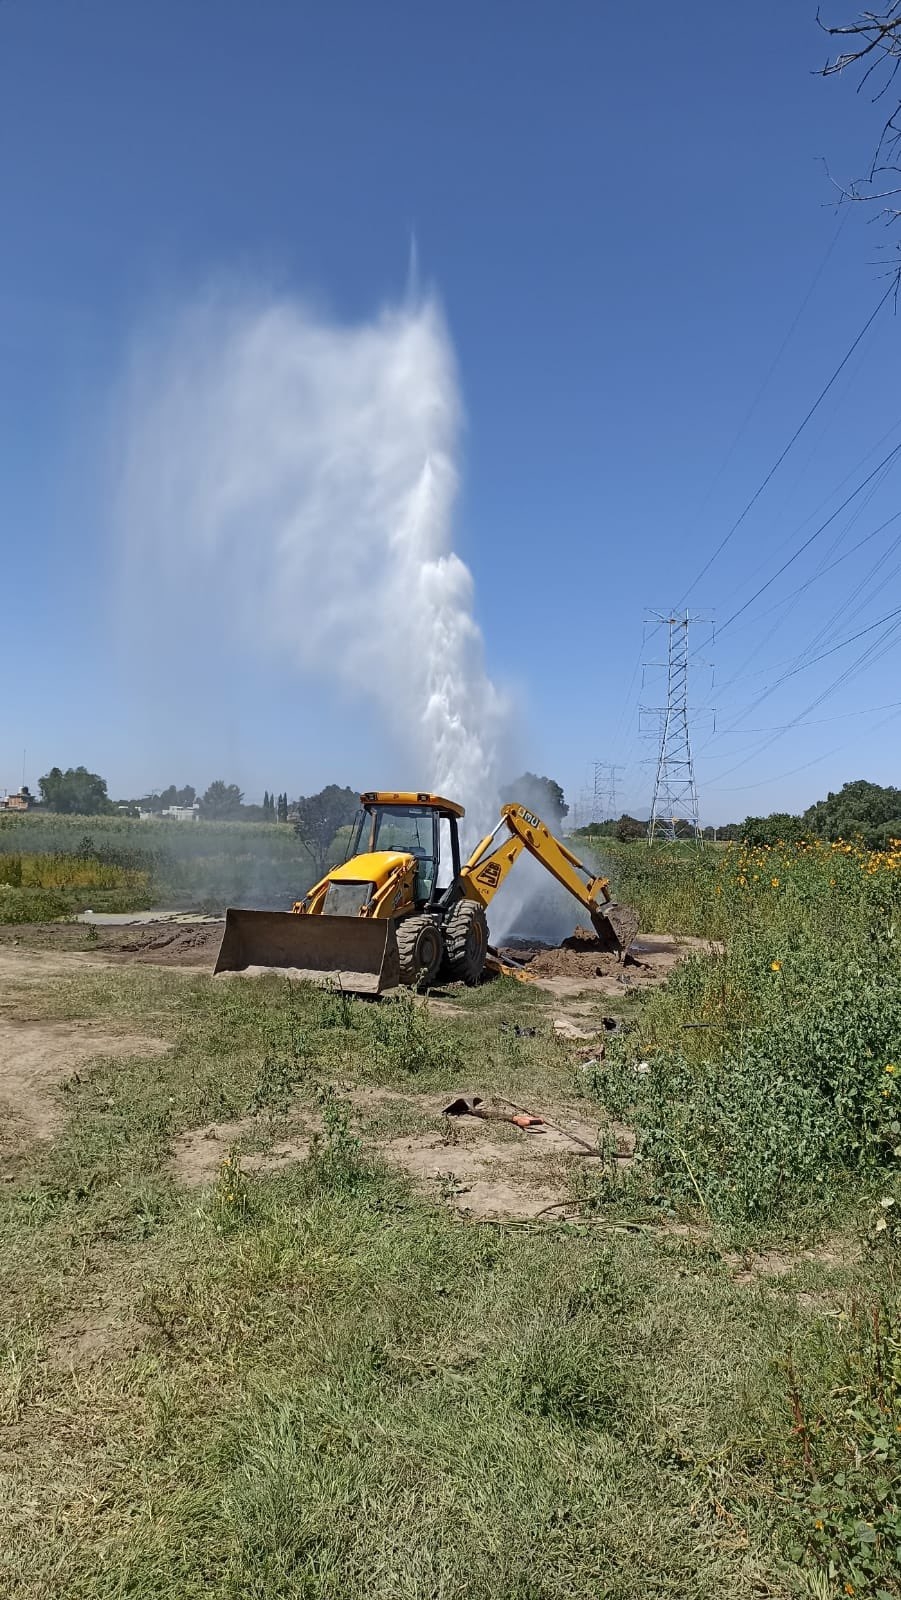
x=159 y=862
x=318 y=1385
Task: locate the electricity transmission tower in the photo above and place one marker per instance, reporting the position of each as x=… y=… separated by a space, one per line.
x=605 y=807
x=675 y=791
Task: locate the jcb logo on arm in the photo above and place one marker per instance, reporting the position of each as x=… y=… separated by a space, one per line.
x=490 y=875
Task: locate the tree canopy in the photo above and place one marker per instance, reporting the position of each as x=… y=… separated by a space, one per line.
x=178 y=797
x=542 y=795
x=780 y=827
x=221 y=802
x=868 y=809
x=860 y=810
x=319 y=818
x=76 y=792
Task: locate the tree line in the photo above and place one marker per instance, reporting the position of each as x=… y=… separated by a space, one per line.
x=861 y=810
x=78 y=792
x=321 y=820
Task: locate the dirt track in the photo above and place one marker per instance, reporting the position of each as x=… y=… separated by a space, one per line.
x=164 y=944
x=578 y=965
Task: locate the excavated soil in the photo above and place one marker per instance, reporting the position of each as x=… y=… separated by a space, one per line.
x=177 y=944
x=581 y=961
x=186 y=944
x=579 y=956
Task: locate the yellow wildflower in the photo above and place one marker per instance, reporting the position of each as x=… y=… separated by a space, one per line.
x=774 y=883
x=776 y=966
x=818 y=1525
x=891 y=1067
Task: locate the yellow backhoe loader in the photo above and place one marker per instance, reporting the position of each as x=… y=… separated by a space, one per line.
x=404 y=908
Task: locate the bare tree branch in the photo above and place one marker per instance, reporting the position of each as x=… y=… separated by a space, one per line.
x=875 y=49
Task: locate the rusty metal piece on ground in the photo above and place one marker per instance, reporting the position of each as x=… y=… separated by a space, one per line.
x=465 y=1105
x=472 y=1105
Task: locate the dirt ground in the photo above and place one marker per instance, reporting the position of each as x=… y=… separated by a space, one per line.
x=36 y=1058
x=578 y=963
x=481 y=1168
x=164 y=944
x=484 y=1170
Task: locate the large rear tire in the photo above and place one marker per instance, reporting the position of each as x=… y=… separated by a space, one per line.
x=466 y=937
x=421 y=950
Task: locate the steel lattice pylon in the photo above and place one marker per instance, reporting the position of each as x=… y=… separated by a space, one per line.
x=675 y=792
x=605 y=802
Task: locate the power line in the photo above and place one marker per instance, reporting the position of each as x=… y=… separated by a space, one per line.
x=817 y=722
x=773 y=365
x=822 y=571
x=891 y=457
x=795 y=436
x=793 y=671
x=815 y=762
x=827 y=498
x=841 y=613
x=873 y=652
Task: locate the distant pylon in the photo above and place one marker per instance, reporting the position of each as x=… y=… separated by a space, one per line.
x=605 y=807
x=675 y=792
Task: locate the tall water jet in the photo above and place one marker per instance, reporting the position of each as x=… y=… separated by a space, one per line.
x=297 y=477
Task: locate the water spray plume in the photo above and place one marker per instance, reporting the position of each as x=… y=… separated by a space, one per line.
x=296 y=478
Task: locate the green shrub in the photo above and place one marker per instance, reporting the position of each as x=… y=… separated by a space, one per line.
x=11 y=871
x=772 y=1063
x=31 y=905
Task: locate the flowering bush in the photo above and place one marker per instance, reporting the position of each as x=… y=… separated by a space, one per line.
x=775 y=1057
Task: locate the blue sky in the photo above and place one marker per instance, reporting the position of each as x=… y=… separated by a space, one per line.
x=622 y=221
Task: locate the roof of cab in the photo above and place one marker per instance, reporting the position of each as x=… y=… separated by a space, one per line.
x=396 y=797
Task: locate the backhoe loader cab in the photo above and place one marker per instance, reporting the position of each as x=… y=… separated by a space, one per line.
x=403 y=908
x=425 y=829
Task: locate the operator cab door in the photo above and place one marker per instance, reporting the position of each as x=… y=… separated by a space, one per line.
x=448 y=855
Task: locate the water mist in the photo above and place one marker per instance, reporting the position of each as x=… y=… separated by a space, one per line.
x=296 y=477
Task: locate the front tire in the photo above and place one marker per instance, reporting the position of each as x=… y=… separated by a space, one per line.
x=421 y=950
x=466 y=937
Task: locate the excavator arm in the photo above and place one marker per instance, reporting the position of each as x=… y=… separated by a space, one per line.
x=519 y=829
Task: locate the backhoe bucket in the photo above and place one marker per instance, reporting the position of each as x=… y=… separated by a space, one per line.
x=616 y=927
x=353 y=953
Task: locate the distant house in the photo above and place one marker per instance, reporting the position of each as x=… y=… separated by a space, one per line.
x=182 y=813
x=22 y=800
x=172 y=813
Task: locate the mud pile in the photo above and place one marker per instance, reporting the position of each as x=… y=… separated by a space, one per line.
x=167 y=944
x=579 y=956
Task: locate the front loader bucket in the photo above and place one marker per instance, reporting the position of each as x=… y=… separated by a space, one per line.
x=354 y=953
x=616 y=927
